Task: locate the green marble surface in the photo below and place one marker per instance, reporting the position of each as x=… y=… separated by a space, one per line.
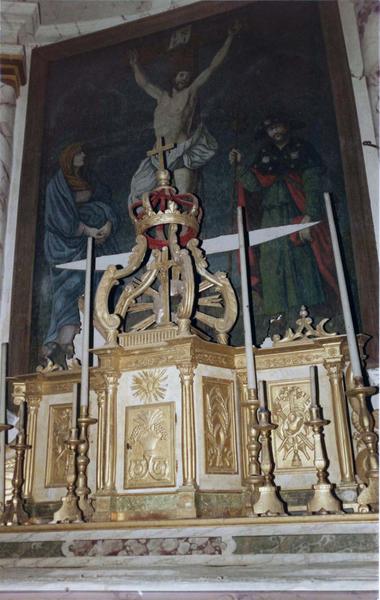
x=45 y=549
x=149 y=505
x=223 y=505
x=306 y=544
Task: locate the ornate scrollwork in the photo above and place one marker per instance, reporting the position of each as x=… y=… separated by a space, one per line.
x=183 y=284
x=225 y=295
x=110 y=322
x=166 y=293
x=305 y=329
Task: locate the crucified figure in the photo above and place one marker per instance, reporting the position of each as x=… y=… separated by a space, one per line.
x=173 y=120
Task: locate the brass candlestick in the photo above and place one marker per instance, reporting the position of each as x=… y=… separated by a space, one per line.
x=255 y=477
x=369 y=496
x=82 y=489
x=70 y=511
x=323 y=500
x=269 y=502
x=3 y=427
x=14 y=513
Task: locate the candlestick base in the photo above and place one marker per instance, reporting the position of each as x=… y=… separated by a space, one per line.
x=269 y=504
x=369 y=496
x=70 y=511
x=254 y=478
x=82 y=489
x=14 y=513
x=251 y=493
x=86 y=506
x=323 y=501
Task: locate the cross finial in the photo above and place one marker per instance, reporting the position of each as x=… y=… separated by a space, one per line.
x=160 y=148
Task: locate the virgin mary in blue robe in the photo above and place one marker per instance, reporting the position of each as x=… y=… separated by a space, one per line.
x=75 y=209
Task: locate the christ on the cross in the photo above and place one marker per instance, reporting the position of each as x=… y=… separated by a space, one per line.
x=173 y=120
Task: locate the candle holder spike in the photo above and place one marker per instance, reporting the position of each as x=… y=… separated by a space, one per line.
x=82 y=489
x=269 y=502
x=255 y=477
x=70 y=511
x=323 y=500
x=368 y=498
x=14 y=513
x=5 y=427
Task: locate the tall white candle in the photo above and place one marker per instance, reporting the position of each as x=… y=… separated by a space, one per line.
x=251 y=370
x=74 y=414
x=313 y=386
x=84 y=389
x=3 y=412
x=261 y=394
x=350 y=331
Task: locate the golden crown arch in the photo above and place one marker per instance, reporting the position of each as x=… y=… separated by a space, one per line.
x=168 y=295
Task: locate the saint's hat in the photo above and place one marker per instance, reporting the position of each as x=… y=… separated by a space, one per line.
x=274 y=119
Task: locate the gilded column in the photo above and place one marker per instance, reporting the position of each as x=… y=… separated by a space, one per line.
x=110 y=433
x=186 y=373
x=33 y=404
x=100 y=389
x=334 y=368
x=18 y=397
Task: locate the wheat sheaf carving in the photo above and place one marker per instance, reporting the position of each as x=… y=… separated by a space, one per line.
x=218 y=422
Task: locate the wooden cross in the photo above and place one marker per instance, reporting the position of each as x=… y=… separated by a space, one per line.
x=160 y=148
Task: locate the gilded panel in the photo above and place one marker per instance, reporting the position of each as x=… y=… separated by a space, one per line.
x=293 y=443
x=57 y=454
x=219 y=425
x=149 y=459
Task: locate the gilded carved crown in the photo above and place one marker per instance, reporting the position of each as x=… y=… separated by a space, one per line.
x=164 y=207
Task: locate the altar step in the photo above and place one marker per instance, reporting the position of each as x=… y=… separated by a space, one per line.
x=330 y=553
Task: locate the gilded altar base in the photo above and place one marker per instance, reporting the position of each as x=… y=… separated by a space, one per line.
x=171 y=434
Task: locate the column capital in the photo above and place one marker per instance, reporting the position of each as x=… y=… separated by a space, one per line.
x=334 y=366
x=13 y=66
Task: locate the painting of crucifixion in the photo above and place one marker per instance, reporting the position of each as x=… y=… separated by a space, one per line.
x=242 y=101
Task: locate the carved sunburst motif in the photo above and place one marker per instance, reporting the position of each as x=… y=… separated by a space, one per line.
x=150 y=386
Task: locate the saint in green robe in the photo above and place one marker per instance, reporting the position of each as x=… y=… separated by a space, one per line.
x=291 y=271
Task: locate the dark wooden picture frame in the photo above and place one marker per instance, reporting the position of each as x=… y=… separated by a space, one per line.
x=360 y=218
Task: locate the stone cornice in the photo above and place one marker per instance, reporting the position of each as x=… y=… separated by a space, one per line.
x=19 y=22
